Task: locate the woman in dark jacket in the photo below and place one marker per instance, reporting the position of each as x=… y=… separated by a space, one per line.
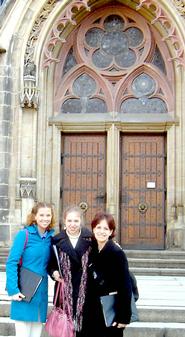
x=108 y=274
x=73 y=245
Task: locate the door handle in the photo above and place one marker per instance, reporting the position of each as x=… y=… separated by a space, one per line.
x=84 y=206
x=142 y=207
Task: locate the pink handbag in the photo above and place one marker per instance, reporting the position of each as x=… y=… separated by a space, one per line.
x=59 y=322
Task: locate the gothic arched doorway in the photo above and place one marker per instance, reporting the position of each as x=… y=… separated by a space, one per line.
x=114 y=86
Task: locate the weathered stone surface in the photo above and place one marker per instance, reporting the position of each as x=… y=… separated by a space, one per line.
x=4 y=232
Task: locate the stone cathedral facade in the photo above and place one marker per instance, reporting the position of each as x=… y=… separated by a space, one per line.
x=92 y=112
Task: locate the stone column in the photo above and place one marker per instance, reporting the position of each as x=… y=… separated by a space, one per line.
x=179 y=229
x=29 y=102
x=170 y=227
x=113 y=171
x=5 y=149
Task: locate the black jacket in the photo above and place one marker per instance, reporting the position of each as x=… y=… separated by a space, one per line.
x=108 y=272
x=63 y=243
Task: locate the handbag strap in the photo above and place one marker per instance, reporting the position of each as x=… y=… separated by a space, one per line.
x=25 y=243
x=57 y=292
x=60 y=294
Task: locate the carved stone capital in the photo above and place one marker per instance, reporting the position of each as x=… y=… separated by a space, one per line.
x=28 y=187
x=29 y=98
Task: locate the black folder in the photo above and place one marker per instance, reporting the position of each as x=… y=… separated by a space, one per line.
x=28 y=282
x=108 y=303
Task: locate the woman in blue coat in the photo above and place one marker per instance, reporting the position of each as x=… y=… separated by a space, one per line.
x=32 y=245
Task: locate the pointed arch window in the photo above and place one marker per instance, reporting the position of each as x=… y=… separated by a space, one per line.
x=143 y=89
x=84 y=97
x=104 y=51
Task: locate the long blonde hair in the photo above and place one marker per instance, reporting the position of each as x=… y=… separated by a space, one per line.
x=34 y=211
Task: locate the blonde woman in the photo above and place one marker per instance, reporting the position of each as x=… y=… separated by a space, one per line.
x=73 y=245
x=32 y=244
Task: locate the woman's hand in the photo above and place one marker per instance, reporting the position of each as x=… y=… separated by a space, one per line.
x=119 y=325
x=57 y=276
x=17 y=297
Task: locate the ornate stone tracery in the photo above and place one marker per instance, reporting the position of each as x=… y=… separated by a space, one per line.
x=56 y=33
x=180 y=6
x=161 y=16
x=29 y=97
x=152 y=5
x=95 y=71
x=43 y=15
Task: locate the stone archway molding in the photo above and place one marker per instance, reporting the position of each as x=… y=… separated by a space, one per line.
x=172 y=34
x=161 y=15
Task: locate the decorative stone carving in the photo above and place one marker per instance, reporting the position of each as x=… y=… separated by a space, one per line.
x=30 y=95
x=167 y=23
x=43 y=15
x=56 y=33
x=28 y=187
x=30 y=69
x=153 y=5
x=82 y=88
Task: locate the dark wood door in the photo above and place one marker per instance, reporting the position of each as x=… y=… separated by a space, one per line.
x=142 y=191
x=83 y=173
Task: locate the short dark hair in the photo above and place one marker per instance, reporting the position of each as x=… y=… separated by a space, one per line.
x=108 y=217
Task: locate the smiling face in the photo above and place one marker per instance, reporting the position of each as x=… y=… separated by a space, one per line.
x=102 y=232
x=73 y=223
x=43 y=218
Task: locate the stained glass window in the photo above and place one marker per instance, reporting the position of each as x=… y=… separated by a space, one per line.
x=143 y=87
x=105 y=53
x=83 y=89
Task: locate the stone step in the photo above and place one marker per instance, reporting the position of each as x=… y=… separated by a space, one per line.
x=146 y=313
x=164 y=314
x=4 y=250
x=3 y=259
x=157 y=263
x=158 y=271
x=162 y=254
x=138 y=329
x=154 y=329
x=141 y=262
x=2 y=267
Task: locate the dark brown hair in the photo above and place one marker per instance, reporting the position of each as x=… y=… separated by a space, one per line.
x=34 y=211
x=108 y=217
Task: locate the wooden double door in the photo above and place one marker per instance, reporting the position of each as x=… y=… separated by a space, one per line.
x=141 y=189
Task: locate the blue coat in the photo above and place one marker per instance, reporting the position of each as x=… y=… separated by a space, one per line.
x=34 y=257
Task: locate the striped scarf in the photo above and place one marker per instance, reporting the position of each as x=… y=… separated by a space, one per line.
x=66 y=271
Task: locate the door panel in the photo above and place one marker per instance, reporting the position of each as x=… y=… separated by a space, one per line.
x=142 y=191
x=83 y=173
